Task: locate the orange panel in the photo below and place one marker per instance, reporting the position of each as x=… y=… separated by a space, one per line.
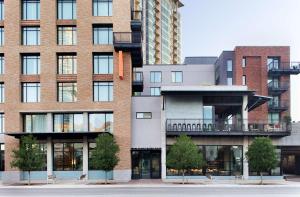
x=121 y=65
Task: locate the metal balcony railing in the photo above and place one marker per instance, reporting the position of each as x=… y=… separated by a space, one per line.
x=127 y=38
x=237 y=127
x=278 y=86
x=278 y=105
x=284 y=67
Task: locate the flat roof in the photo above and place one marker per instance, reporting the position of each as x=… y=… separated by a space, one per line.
x=205 y=88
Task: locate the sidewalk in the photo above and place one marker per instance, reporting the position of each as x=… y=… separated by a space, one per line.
x=156 y=184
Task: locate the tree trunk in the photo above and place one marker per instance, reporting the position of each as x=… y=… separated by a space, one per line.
x=105 y=177
x=28 y=177
x=261 y=178
x=183 y=176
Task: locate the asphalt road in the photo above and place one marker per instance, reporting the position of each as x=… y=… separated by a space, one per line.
x=275 y=191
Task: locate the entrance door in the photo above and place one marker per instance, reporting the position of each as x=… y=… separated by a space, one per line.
x=146 y=164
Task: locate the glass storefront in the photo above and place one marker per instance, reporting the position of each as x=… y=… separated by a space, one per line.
x=146 y=164
x=67 y=156
x=220 y=161
x=2 y=161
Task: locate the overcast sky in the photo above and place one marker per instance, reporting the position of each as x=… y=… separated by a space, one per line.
x=210 y=26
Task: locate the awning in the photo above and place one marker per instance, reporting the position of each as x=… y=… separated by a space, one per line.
x=44 y=136
x=255 y=101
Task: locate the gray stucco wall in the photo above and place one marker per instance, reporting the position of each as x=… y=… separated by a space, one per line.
x=184 y=107
x=146 y=133
x=293 y=139
x=192 y=75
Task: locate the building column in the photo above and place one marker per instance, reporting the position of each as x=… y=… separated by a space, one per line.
x=49 y=123
x=245 y=113
x=163 y=141
x=85 y=159
x=49 y=156
x=245 y=160
x=85 y=122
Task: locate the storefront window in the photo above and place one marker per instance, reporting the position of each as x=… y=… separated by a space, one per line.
x=220 y=161
x=68 y=156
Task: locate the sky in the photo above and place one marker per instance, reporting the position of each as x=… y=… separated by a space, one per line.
x=211 y=26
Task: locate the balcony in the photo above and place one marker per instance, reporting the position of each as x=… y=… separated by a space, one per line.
x=136 y=20
x=277 y=88
x=284 y=68
x=137 y=82
x=278 y=106
x=208 y=127
x=130 y=42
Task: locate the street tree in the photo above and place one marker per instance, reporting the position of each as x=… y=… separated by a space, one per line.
x=262 y=156
x=184 y=155
x=105 y=155
x=28 y=157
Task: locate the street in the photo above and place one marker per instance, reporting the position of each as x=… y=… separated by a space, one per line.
x=257 y=191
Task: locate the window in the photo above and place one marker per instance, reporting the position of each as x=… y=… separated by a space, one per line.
x=67 y=156
x=176 y=77
x=2 y=123
x=143 y=115
x=155 y=91
x=31 y=10
x=1 y=92
x=35 y=123
x=66 y=9
x=103 y=64
x=67 y=64
x=1 y=36
x=103 y=34
x=67 y=35
x=92 y=147
x=229 y=81
x=67 y=92
x=102 y=7
x=273 y=62
x=1 y=9
x=31 y=35
x=273 y=118
x=31 y=92
x=244 y=80
x=155 y=77
x=66 y=123
x=43 y=152
x=244 y=62
x=30 y=64
x=101 y=122
x=103 y=91
x=229 y=65
x=2 y=157
x=2 y=64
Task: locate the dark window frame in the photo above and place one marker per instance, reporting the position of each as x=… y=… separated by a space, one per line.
x=2 y=156
x=31 y=120
x=109 y=7
x=107 y=28
x=66 y=56
x=61 y=30
x=74 y=9
x=61 y=85
x=24 y=9
x=109 y=85
x=73 y=167
x=25 y=32
x=73 y=122
x=136 y=115
x=32 y=55
x=37 y=86
x=105 y=120
x=110 y=68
